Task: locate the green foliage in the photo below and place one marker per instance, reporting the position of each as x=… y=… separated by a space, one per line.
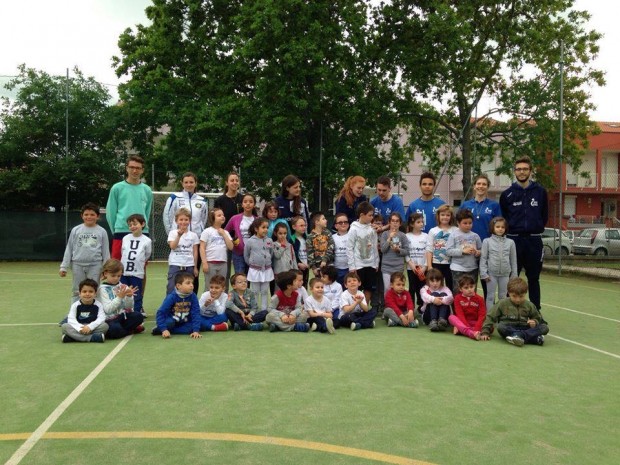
x=260 y=86
x=456 y=53
x=35 y=168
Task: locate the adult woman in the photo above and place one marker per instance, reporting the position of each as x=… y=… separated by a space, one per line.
x=351 y=195
x=230 y=201
x=289 y=202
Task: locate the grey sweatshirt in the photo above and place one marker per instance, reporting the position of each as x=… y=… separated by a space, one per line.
x=393 y=261
x=258 y=252
x=86 y=246
x=362 y=247
x=498 y=257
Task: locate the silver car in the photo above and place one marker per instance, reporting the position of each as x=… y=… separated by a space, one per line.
x=551 y=242
x=597 y=241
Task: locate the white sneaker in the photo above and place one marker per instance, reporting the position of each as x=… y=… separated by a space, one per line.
x=330 y=326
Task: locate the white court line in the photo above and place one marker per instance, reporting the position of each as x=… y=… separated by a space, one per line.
x=581 y=285
x=64 y=405
x=585 y=346
x=581 y=313
x=27 y=324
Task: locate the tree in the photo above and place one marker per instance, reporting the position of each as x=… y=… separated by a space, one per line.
x=454 y=53
x=260 y=86
x=35 y=168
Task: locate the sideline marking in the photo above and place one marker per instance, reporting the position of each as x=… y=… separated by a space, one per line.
x=580 y=285
x=248 y=438
x=33 y=438
x=582 y=313
x=27 y=324
x=584 y=345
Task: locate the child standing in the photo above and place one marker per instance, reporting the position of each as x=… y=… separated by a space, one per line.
x=239 y=225
x=437 y=298
x=241 y=306
x=320 y=244
x=394 y=246
x=179 y=312
x=469 y=309
x=362 y=249
x=213 y=306
x=341 y=239
x=498 y=260
x=183 y=248
x=258 y=254
x=398 y=309
x=300 y=245
x=285 y=310
x=332 y=288
x=215 y=242
x=283 y=251
x=437 y=255
x=270 y=211
x=87 y=249
x=518 y=320
x=419 y=244
x=319 y=308
x=117 y=301
x=354 y=309
x=86 y=319
x=464 y=248
x=135 y=252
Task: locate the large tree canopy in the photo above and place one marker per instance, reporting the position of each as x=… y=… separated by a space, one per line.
x=455 y=53
x=35 y=168
x=260 y=86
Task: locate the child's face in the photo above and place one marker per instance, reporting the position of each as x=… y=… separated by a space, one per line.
x=366 y=218
x=342 y=224
x=299 y=282
x=219 y=218
x=398 y=285
x=261 y=231
x=321 y=222
x=300 y=227
x=352 y=285
x=444 y=218
x=240 y=284
x=465 y=225
x=186 y=287
x=377 y=224
x=318 y=290
x=248 y=205
x=434 y=283
x=135 y=227
x=182 y=222
x=294 y=190
x=325 y=279
x=418 y=225
x=87 y=294
x=215 y=290
x=394 y=223
x=281 y=235
x=516 y=299
x=272 y=213
x=90 y=218
x=500 y=228
x=112 y=277
x=468 y=290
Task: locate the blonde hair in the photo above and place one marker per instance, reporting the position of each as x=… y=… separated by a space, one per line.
x=111 y=266
x=183 y=212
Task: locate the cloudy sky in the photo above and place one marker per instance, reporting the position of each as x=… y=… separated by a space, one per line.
x=60 y=34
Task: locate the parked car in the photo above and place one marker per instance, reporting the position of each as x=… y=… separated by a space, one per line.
x=571 y=233
x=597 y=241
x=551 y=242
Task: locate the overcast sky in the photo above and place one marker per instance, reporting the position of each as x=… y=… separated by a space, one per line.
x=53 y=35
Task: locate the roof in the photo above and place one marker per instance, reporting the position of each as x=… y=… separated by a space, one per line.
x=608 y=126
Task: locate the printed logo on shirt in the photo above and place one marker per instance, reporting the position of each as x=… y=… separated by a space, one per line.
x=534 y=203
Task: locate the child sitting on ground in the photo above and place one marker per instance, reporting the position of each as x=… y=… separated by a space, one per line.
x=117 y=301
x=285 y=309
x=517 y=319
x=319 y=308
x=213 y=306
x=86 y=319
x=179 y=312
x=241 y=306
x=469 y=309
x=398 y=309
x=354 y=309
x=332 y=288
x=437 y=299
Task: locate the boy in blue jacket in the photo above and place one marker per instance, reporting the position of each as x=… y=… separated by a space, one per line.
x=179 y=313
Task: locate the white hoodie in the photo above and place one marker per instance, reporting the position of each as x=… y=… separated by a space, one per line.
x=362 y=249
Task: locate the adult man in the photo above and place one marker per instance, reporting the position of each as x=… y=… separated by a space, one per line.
x=126 y=198
x=483 y=209
x=386 y=203
x=525 y=207
x=427 y=203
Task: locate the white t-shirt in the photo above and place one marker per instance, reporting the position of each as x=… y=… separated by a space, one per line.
x=333 y=292
x=325 y=305
x=135 y=251
x=418 y=246
x=340 y=249
x=183 y=255
x=302 y=292
x=438 y=241
x=215 y=245
x=347 y=298
x=244 y=226
x=303 y=251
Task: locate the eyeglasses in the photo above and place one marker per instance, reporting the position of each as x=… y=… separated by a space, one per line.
x=522 y=169
x=137 y=168
x=341 y=222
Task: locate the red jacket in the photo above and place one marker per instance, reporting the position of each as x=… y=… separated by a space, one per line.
x=400 y=303
x=470 y=310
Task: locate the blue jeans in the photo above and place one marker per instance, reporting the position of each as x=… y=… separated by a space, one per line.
x=206 y=323
x=123 y=325
x=239 y=264
x=137 y=297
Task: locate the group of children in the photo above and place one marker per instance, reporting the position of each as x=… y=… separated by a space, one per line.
x=274 y=257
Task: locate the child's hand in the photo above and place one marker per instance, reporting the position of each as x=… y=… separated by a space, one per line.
x=209 y=301
x=221 y=231
x=487 y=279
x=437 y=301
x=485 y=337
x=358 y=298
x=165 y=334
x=532 y=323
x=195 y=271
x=195 y=335
x=302 y=266
x=205 y=267
x=404 y=320
x=62 y=273
x=85 y=330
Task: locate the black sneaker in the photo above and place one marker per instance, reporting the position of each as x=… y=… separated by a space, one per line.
x=97 y=337
x=433 y=326
x=66 y=338
x=540 y=340
x=156 y=331
x=443 y=324
x=272 y=328
x=301 y=327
